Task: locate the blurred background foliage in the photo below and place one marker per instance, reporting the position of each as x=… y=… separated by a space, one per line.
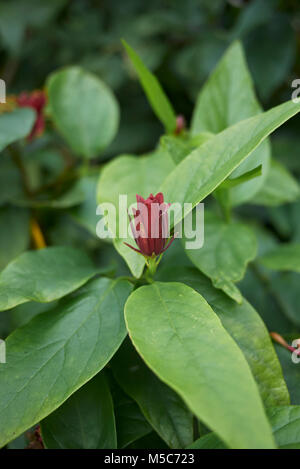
x=180 y=41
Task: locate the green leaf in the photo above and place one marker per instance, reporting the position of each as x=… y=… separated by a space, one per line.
x=161 y=406
x=153 y=90
x=278 y=308
x=71 y=197
x=10 y=179
x=245 y=326
x=227 y=249
x=150 y=441
x=58 y=352
x=15 y=125
x=233 y=182
x=179 y=147
x=85 y=421
x=22 y=314
x=264 y=58
x=44 y=275
x=130 y=422
x=14 y=233
x=280 y=187
x=130 y=175
x=228 y=97
x=83 y=109
x=254 y=14
x=284 y=257
x=16 y=16
x=285 y=421
x=209 y=441
x=184 y=343
x=205 y=168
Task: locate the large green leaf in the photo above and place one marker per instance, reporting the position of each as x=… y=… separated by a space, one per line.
x=183 y=341
x=227 y=249
x=83 y=109
x=154 y=92
x=227 y=98
x=15 y=125
x=130 y=175
x=246 y=327
x=161 y=406
x=14 y=233
x=285 y=421
x=85 y=421
x=44 y=275
x=284 y=257
x=205 y=168
x=57 y=352
x=280 y=187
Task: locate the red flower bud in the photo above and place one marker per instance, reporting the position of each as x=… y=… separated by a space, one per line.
x=150 y=225
x=180 y=124
x=36 y=100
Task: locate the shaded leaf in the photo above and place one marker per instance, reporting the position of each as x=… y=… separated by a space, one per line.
x=14 y=233
x=57 y=352
x=85 y=421
x=161 y=406
x=83 y=109
x=284 y=257
x=279 y=188
x=227 y=249
x=285 y=421
x=15 y=125
x=130 y=422
x=44 y=275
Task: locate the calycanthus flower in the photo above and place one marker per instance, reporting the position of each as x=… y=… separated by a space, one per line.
x=150 y=226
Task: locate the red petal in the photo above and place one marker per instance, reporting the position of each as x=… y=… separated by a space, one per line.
x=159 y=197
